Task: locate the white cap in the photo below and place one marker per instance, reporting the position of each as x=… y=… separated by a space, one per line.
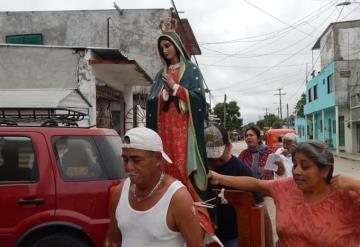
x=144 y=139
x=216 y=139
x=290 y=136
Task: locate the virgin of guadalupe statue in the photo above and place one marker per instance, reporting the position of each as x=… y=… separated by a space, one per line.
x=176 y=109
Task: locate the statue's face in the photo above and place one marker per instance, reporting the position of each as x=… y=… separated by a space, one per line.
x=168 y=50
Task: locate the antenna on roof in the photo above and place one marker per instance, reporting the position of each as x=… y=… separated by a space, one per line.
x=118 y=9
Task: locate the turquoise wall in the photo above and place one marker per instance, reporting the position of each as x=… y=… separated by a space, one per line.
x=329 y=136
x=324 y=99
x=300 y=125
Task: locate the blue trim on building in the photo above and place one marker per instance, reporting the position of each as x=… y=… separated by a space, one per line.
x=324 y=99
x=320 y=96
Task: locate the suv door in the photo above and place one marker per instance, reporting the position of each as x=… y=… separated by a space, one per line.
x=27 y=185
x=86 y=174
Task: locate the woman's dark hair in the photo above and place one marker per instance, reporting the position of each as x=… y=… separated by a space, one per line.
x=256 y=129
x=161 y=51
x=317 y=152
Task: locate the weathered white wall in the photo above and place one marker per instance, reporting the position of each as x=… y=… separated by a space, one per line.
x=343 y=84
x=24 y=67
x=340 y=42
x=87 y=83
x=327 y=49
x=134 y=31
x=348 y=131
x=348 y=42
x=32 y=67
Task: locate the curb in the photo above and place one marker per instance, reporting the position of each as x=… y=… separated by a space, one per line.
x=347 y=157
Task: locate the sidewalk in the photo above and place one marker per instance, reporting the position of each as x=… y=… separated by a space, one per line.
x=348 y=156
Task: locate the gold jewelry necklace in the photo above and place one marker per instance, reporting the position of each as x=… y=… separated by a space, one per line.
x=140 y=199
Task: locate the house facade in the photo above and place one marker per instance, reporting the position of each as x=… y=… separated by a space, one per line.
x=332 y=95
x=117 y=63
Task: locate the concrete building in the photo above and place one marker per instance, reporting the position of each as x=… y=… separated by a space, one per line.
x=114 y=57
x=333 y=104
x=65 y=77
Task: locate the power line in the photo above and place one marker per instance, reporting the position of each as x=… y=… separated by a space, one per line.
x=278 y=36
x=276 y=18
x=320 y=10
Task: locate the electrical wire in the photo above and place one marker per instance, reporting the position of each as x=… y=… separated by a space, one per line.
x=320 y=10
x=276 y=18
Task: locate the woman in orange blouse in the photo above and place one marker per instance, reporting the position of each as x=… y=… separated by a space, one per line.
x=313 y=208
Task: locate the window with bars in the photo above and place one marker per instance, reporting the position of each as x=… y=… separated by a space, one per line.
x=330 y=84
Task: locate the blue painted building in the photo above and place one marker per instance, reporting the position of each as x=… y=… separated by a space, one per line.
x=332 y=109
x=320 y=105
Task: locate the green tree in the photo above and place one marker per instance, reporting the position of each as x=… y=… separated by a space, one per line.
x=233 y=120
x=299 y=107
x=270 y=120
x=261 y=123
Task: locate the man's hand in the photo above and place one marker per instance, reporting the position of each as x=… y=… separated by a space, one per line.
x=281 y=168
x=285 y=152
x=214 y=177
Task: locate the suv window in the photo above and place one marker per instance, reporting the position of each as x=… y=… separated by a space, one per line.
x=17 y=159
x=110 y=149
x=78 y=158
x=82 y=158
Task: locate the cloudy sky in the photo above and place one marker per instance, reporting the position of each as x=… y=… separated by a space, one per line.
x=250 y=48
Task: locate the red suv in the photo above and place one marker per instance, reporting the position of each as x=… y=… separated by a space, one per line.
x=55 y=184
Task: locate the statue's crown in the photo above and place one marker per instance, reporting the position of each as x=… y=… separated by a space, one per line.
x=168 y=25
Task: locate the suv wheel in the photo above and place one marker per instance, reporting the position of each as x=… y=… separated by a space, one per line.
x=60 y=240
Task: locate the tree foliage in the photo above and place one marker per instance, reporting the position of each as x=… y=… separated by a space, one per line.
x=233 y=115
x=270 y=120
x=299 y=107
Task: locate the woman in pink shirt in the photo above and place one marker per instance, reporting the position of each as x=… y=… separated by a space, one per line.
x=313 y=208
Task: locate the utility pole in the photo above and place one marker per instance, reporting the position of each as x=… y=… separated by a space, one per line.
x=280 y=94
x=266 y=113
x=224 y=111
x=108 y=32
x=287 y=115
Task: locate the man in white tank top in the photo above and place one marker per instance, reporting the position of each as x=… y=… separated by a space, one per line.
x=151 y=208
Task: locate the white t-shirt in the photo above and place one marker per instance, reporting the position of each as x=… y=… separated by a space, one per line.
x=288 y=165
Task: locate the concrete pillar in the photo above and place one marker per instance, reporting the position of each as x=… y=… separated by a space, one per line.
x=314 y=125
x=306 y=130
x=323 y=125
x=128 y=97
x=337 y=128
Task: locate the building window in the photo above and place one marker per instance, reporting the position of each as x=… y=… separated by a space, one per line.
x=309 y=95
x=334 y=126
x=26 y=39
x=330 y=83
x=315 y=92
